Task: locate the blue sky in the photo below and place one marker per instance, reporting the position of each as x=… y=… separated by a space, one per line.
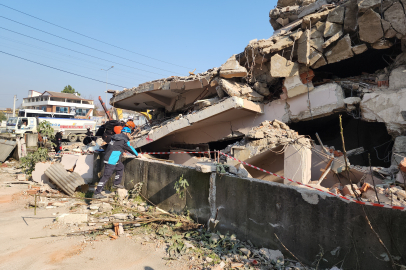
x=190 y=34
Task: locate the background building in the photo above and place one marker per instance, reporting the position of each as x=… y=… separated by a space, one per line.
x=58 y=102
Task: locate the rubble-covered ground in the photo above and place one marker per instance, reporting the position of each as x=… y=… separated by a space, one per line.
x=77 y=232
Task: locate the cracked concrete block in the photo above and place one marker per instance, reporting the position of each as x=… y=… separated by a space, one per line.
x=352 y=100
x=351 y=16
x=282 y=67
x=364 y=5
x=359 y=49
x=314 y=57
x=281 y=44
x=317 y=43
x=69 y=161
x=382 y=44
x=370 y=28
x=312 y=8
x=84 y=167
x=341 y=51
x=232 y=69
x=321 y=62
x=332 y=39
x=386 y=107
x=314 y=18
x=72 y=218
x=314 y=33
x=195 y=84
x=303 y=51
x=262 y=88
x=294 y=86
x=396 y=16
x=336 y=15
x=331 y=29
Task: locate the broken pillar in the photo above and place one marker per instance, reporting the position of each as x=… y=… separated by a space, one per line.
x=297 y=163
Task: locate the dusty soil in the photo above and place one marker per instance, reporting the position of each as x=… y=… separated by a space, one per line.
x=19 y=251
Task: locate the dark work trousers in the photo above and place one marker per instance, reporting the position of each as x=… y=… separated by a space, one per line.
x=108 y=171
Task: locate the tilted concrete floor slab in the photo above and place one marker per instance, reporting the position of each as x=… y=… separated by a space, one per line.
x=225 y=111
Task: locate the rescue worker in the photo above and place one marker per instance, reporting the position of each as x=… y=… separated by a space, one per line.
x=89 y=137
x=58 y=141
x=130 y=123
x=112 y=162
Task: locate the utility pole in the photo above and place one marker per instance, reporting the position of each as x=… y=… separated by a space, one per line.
x=14 y=105
x=107 y=78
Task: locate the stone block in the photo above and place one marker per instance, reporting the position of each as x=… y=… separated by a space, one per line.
x=364 y=5
x=337 y=15
x=396 y=16
x=370 y=28
x=72 y=218
x=332 y=39
x=342 y=50
x=282 y=67
x=331 y=29
x=69 y=161
x=122 y=193
x=351 y=16
x=294 y=86
x=359 y=49
x=303 y=51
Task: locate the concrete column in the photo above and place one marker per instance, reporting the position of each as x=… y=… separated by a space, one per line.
x=297 y=164
x=212 y=195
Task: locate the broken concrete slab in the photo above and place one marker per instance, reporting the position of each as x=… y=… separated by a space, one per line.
x=38 y=175
x=303 y=51
x=236 y=89
x=314 y=57
x=72 y=218
x=332 y=39
x=282 y=67
x=312 y=8
x=69 y=161
x=370 y=28
x=396 y=16
x=341 y=51
x=84 y=167
x=319 y=63
x=232 y=69
x=331 y=29
x=231 y=108
x=317 y=44
x=351 y=16
x=312 y=19
x=324 y=99
x=386 y=107
x=282 y=43
x=336 y=15
x=359 y=49
x=294 y=86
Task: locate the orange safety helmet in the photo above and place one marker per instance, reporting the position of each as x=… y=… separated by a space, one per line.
x=130 y=124
x=117 y=129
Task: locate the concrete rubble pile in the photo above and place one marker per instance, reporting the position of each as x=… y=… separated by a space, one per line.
x=312 y=67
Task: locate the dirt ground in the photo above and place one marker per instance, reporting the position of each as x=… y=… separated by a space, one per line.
x=18 y=225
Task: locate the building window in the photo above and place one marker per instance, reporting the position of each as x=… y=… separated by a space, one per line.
x=82 y=112
x=44 y=108
x=62 y=109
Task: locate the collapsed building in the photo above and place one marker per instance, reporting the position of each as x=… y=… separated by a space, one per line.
x=325 y=58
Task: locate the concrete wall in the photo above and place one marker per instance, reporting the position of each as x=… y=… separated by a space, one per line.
x=304 y=220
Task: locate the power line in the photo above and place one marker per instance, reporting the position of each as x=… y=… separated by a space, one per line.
x=86 y=45
x=79 y=52
x=92 y=38
x=70 y=56
x=61 y=69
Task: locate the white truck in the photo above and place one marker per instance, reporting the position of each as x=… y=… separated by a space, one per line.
x=74 y=128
